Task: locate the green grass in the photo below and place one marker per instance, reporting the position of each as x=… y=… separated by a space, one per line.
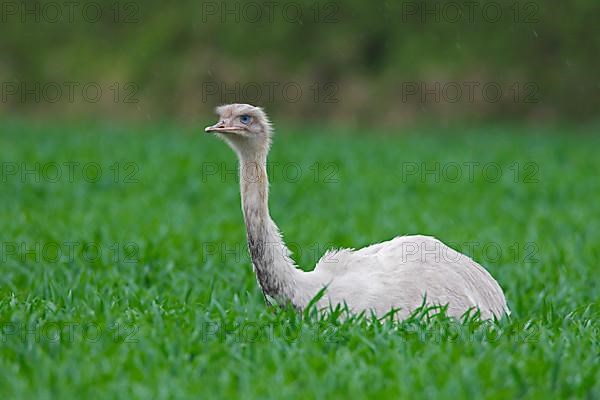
x=171 y=308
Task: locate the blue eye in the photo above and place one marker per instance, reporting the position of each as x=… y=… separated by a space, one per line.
x=245 y=119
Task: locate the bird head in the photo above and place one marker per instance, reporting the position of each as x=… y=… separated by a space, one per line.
x=243 y=126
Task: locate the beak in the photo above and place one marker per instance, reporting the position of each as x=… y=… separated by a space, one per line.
x=220 y=127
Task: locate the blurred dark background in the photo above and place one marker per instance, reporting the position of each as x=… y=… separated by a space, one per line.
x=352 y=62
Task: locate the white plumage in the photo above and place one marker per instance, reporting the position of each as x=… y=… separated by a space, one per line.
x=398 y=274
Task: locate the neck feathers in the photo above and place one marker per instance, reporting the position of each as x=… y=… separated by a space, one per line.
x=275 y=271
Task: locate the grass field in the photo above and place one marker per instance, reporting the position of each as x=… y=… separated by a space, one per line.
x=124 y=270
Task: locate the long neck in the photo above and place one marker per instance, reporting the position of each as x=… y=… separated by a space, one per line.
x=275 y=270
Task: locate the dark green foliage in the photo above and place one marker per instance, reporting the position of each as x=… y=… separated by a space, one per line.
x=350 y=59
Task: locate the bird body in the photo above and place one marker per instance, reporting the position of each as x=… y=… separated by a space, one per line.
x=400 y=274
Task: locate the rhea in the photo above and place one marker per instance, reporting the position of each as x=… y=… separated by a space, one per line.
x=398 y=276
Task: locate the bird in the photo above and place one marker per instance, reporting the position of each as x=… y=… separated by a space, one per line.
x=396 y=277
